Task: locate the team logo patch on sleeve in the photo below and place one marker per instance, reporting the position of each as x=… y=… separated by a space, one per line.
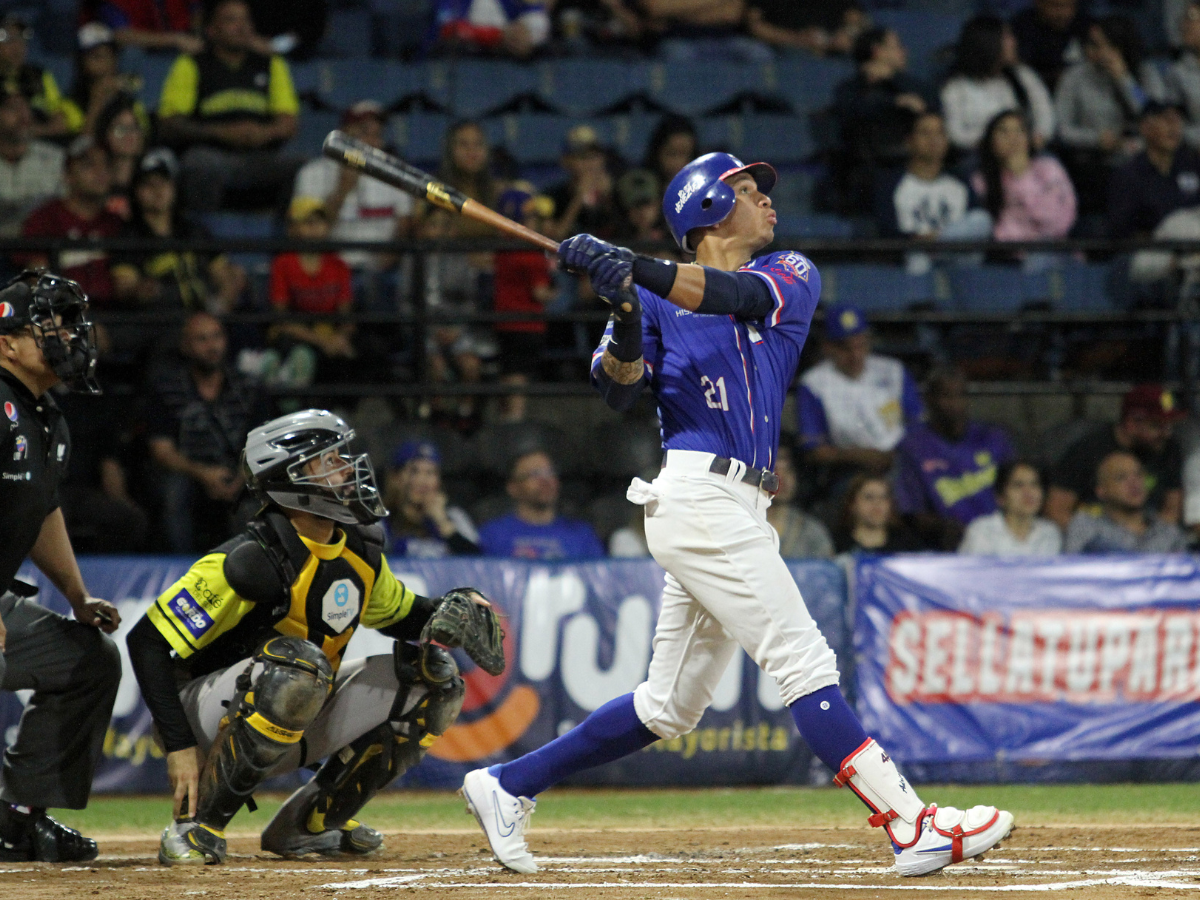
x=20 y=448
x=190 y=613
x=10 y=411
x=797 y=262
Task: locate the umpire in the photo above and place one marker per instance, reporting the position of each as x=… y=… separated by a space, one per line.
x=71 y=667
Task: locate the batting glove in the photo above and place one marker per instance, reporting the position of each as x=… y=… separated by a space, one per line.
x=577 y=253
x=626 y=306
x=611 y=271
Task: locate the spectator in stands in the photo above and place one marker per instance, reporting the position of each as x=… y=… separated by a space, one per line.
x=585 y=201
x=801 y=536
x=987 y=79
x=35 y=83
x=1122 y=523
x=1148 y=416
x=362 y=208
x=101 y=515
x=946 y=467
x=311 y=283
x=821 y=27
x=1158 y=181
x=80 y=214
x=703 y=29
x=1183 y=78
x=874 y=111
x=1050 y=36
x=854 y=407
x=122 y=130
x=420 y=523
x=31 y=171
x=230 y=110
x=98 y=80
x=199 y=413
x=673 y=144
x=534 y=529
x=508 y=27
x=1015 y=529
x=1099 y=102
x=598 y=22
x=1030 y=198
x=171 y=279
x=640 y=200
x=523 y=283
x=926 y=202
x=150 y=24
x=868 y=523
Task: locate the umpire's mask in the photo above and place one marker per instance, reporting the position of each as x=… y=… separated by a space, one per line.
x=56 y=311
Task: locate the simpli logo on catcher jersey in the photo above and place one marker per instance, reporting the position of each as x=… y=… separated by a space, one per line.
x=339 y=606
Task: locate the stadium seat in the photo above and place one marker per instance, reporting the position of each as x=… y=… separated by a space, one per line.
x=813 y=225
x=418 y=136
x=154 y=69
x=348 y=33
x=875 y=288
x=925 y=33
x=398 y=27
x=630 y=133
x=537 y=139
x=793 y=192
x=692 y=87
x=988 y=289
x=346 y=81
x=311 y=131
x=581 y=86
x=808 y=83
x=480 y=86
x=1081 y=287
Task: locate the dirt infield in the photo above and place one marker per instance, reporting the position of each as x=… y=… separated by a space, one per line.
x=763 y=862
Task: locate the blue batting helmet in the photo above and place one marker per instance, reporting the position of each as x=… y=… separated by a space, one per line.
x=698 y=196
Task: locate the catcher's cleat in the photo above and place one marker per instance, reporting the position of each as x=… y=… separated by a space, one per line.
x=185 y=842
x=502 y=817
x=355 y=839
x=45 y=839
x=951 y=835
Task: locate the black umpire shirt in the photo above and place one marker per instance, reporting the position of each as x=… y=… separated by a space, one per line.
x=34 y=451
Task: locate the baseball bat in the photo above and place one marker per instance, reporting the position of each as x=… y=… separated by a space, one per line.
x=392 y=170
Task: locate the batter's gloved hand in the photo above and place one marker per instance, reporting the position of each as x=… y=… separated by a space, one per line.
x=612 y=271
x=461 y=620
x=577 y=253
x=626 y=307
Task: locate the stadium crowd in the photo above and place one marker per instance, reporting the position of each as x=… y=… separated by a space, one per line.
x=1049 y=121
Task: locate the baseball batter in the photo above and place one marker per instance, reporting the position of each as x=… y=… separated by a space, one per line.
x=718 y=343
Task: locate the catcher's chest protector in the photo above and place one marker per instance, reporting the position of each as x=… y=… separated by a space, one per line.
x=317 y=591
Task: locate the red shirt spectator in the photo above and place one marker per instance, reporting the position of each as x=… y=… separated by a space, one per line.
x=325 y=290
x=518 y=277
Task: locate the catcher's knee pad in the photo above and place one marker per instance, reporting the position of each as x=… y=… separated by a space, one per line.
x=263 y=723
x=427 y=703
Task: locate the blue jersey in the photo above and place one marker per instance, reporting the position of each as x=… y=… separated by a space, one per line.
x=721 y=383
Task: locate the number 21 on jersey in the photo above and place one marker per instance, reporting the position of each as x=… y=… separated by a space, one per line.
x=714 y=393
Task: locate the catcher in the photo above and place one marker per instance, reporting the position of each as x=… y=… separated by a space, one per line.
x=240 y=660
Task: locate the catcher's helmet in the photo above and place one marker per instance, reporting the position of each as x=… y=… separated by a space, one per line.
x=276 y=467
x=698 y=196
x=56 y=311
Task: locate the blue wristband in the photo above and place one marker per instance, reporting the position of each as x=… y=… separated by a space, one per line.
x=655 y=275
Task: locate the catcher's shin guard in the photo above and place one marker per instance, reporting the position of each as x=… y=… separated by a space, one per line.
x=430 y=697
x=262 y=725
x=871 y=774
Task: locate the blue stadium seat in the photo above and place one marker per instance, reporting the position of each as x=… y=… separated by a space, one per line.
x=311 y=132
x=777 y=139
x=155 y=67
x=630 y=134
x=398 y=27
x=346 y=81
x=793 y=193
x=1081 y=287
x=348 y=33
x=924 y=33
x=875 y=288
x=240 y=225
x=813 y=225
x=582 y=86
x=988 y=289
x=808 y=83
x=537 y=138
x=418 y=137
x=692 y=87
x=478 y=86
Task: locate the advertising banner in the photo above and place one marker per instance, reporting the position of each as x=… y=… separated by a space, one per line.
x=1026 y=661
x=577 y=635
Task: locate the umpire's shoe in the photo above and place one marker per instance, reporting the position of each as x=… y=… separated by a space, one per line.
x=502 y=817
x=185 y=842
x=35 y=836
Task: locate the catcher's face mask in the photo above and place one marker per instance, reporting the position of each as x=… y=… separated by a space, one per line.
x=344 y=478
x=55 y=310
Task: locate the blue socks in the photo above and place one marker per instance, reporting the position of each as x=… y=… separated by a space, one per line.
x=829 y=725
x=611 y=732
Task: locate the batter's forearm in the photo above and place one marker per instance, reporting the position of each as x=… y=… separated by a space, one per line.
x=620 y=371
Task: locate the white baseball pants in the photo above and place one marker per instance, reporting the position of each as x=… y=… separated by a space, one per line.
x=726 y=586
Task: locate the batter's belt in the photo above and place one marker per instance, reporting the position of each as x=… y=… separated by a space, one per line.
x=759 y=478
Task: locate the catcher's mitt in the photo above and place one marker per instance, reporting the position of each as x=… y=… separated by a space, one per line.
x=459 y=621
